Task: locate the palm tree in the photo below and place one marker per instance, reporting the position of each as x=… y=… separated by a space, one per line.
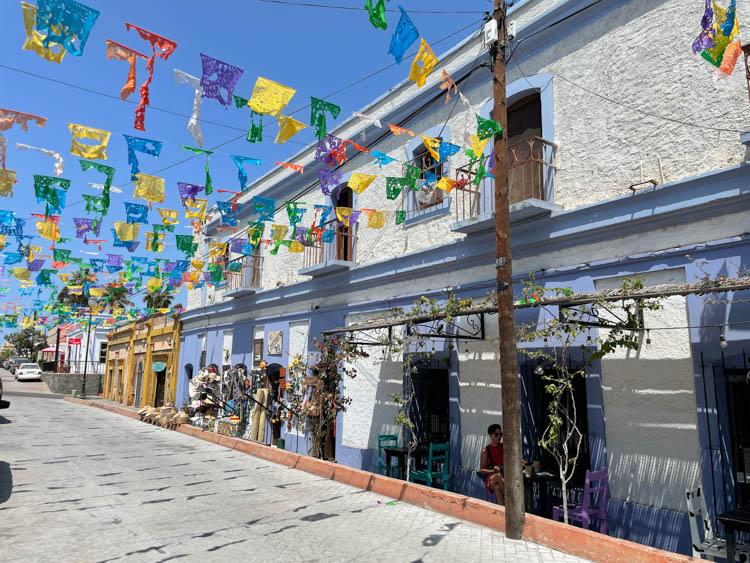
x=116 y=298
x=159 y=299
x=67 y=298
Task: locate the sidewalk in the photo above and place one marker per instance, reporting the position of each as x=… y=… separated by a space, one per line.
x=568 y=539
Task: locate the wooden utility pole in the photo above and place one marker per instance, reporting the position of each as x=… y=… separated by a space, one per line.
x=514 y=509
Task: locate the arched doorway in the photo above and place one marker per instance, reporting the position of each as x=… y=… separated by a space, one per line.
x=160 y=373
x=344 y=233
x=526 y=150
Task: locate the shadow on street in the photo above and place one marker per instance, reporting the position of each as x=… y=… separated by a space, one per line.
x=6 y=481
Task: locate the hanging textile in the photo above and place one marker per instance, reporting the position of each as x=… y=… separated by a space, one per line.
x=396 y=130
x=85 y=225
x=432 y=145
x=264 y=207
x=161 y=47
x=146 y=146
x=209 y=183
x=127 y=231
x=318 y=110
x=98 y=151
x=188 y=191
x=360 y=182
x=9 y=118
x=381 y=158
x=136 y=213
x=406 y=33
x=269 y=97
x=241 y=174
x=58 y=170
x=447 y=150
x=325 y=146
x=487 y=128
x=706 y=38
x=65 y=22
x=123 y=53
x=446 y=184
x=168 y=216
x=367 y=119
x=288 y=128
x=150 y=188
x=217 y=75
x=196 y=208
x=724 y=30
x=377 y=14
x=329 y=180
x=193 y=125
x=293 y=167
x=7 y=181
x=394 y=186
x=54 y=52
x=423 y=64
x=447 y=84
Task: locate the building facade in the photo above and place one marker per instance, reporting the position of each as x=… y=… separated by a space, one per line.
x=621 y=164
x=141 y=364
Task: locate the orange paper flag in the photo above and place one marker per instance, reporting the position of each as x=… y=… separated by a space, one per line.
x=396 y=130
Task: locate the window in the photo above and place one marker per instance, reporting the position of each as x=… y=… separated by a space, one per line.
x=344 y=233
x=257 y=351
x=103 y=352
x=428 y=195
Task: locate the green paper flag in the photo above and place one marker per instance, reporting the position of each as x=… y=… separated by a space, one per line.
x=400 y=217
x=377 y=14
x=486 y=128
x=318 y=109
x=209 y=183
x=394 y=186
x=255 y=133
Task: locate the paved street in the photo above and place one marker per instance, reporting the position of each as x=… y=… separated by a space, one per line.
x=83 y=484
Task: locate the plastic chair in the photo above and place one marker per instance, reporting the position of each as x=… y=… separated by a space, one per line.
x=710 y=546
x=439 y=453
x=381 y=455
x=589 y=508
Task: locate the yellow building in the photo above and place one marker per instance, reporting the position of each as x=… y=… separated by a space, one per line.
x=142 y=362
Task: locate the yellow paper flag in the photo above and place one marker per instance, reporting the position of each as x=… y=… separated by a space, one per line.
x=477 y=145
x=446 y=184
x=96 y=152
x=423 y=64
x=217 y=249
x=279 y=232
x=2 y=241
x=288 y=128
x=127 y=231
x=54 y=53
x=168 y=216
x=154 y=284
x=97 y=291
x=375 y=219
x=7 y=180
x=432 y=145
x=198 y=264
x=269 y=97
x=343 y=214
x=296 y=246
x=47 y=230
x=359 y=182
x=22 y=274
x=150 y=242
x=196 y=208
x=150 y=188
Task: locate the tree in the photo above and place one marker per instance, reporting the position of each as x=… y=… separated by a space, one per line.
x=66 y=297
x=27 y=342
x=563 y=330
x=116 y=298
x=159 y=299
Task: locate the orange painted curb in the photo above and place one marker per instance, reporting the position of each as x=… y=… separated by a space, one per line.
x=555 y=535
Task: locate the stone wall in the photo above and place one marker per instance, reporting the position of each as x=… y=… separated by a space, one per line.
x=64 y=383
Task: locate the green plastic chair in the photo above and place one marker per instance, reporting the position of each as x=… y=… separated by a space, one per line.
x=381 y=455
x=439 y=453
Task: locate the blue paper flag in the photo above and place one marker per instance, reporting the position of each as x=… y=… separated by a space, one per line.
x=146 y=146
x=447 y=150
x=381 y=158
x=241 y=174
x=66 y=22
x=406 y=33
x=264 y=207
x=136 y=213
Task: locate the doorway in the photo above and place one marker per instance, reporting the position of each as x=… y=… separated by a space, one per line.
x=430 y=409
x=738 y=399
x=161 y=378
x=138 y=384
x=344 y=238
x=273 y=373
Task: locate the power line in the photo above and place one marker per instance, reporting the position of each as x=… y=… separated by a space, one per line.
x=352 y=8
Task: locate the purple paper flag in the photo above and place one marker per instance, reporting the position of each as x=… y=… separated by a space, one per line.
x=189 y=191
x=35 y=265
x=85 y=225
x=237 y=245
x=218 y=75
x=329 y=180
x=114 y=260
x=326 y=145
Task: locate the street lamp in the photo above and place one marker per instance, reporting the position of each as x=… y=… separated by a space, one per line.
x=92 y=303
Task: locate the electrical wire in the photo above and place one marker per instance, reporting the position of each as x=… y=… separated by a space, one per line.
x=352 y=8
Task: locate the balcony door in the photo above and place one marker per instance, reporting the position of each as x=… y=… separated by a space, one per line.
x=344 y=238
x=525 y=152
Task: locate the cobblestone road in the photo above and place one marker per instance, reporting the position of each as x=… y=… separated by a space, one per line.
x=82 y=484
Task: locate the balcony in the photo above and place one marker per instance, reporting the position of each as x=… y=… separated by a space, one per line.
x=531 y=175
x=244 y=276
x=322 y=258
x=428 y=201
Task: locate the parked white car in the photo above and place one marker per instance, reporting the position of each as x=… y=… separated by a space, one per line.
x=26 y=372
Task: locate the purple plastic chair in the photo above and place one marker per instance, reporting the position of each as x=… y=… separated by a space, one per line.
x=591 y=508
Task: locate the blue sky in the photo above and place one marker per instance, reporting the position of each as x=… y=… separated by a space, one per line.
x=314 y=50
